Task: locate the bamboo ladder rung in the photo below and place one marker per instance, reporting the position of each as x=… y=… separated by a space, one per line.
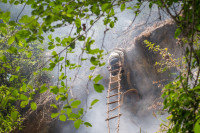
x=113 y=102
x=114 y=95
x=113 y=117
x=114 y=88
x=113 y=109
x=115 y=81
x=115 y=77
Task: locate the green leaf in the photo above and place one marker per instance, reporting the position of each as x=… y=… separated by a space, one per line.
x=62 y=76
x=51 y=66
x=57 y=39
x=112 y=12
x=54 y=115
x=14 y=115
x=24 y=88
x=87 y=124
x=69 y=111
x=129 y=8
x=54 y=106
x=13 y=77
x=26 y=19
x=23 y=97
x=29 y=54
x=98 y=88
x=95 y=9
x=33 y=106
x=17 y=69
x=29 y=2
x=81 y=38
x=54 y=89
x=94 y=101
x=150 y=5
x=12 y=50
x=62 y=83
x=43 y=88
x=2 y=25
x=105 y=6
x=198 y=27
x=91 y=22
x=50 y=38
x=51 y=47
x=123 y=6
x=11 y=40
x=75 y=104
x=112 y=24
x=49 y=19
x=177 y=33
x=22 y=34
x=80 y=112
x=77 y=123
x=78 y=22
x=94 y=61
x=54 y=53
x=62 y=117
x=6 y=17
x=3 y=58
x=197 y=127
x=97 y=78
x=90 y=77
x=61 y=58
x=23 y=104
x=92 y=67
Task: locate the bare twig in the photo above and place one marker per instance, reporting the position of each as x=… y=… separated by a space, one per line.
x=20 y=12
x=169 y=12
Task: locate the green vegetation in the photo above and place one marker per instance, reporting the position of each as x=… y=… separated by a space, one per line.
x=17 y=64
x=21 y=50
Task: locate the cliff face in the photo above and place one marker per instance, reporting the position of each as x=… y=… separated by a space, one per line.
x=141 y=61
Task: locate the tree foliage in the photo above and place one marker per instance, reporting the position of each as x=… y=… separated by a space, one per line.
x=16 y=90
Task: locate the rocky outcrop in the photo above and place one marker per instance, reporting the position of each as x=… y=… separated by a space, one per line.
x=141 y=61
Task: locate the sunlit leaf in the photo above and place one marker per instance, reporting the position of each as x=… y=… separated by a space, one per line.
x=3 y=58
x=123 y=6
x=197 y=127
x=11 y=40
x=33 y=106
x=43 y=88
x=112 y=24
x=54 y=106
x=78 y=22
x=105 y=6
x=77 y=123
x=94 y=102
x=23 y=97
x=62 y=117
x=14 y=115
x=75 y=104
x=87 y=124
x=97 y=78
x=23 y=104
x=54 y=115
x=17 y=69
x=98 y=88
x=12 y=50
